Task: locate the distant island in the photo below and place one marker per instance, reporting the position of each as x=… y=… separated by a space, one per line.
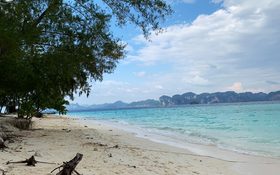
x=188 y=98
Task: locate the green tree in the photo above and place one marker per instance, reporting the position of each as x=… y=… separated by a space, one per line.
x=50 y=49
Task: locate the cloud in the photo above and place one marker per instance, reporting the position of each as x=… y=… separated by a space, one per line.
x=181 y=1
x=188 y=1
x=140 y=74
x=237 y=87
x=272 y=82
x=197 y=80
x=217 y=1
x=234 y=48
x=112 y=90
x=237 y=43
x=158 y=87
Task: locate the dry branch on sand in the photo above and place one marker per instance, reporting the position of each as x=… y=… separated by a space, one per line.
x=29 y=162
x=2 y=143
x=69 y=167
x=3 y=172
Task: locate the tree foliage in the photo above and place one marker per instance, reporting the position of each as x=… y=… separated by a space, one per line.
x=49 y=49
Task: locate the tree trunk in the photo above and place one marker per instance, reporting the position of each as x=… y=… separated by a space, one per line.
x=11 y=108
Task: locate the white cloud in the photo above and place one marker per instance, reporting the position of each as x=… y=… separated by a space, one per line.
x=217 y=1
x=188 y=1
x=140 y=74
x=158 y=86
x=197 y=80
x=237 y=43
x=181 y=1
x=216 y=52
x=112 y=90
x=237 y=87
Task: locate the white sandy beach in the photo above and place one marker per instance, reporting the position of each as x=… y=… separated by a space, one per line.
x=58 y=139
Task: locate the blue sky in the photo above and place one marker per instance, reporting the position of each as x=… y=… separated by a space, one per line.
x=207 y=46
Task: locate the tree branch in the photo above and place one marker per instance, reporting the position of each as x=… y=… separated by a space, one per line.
x=52 y=5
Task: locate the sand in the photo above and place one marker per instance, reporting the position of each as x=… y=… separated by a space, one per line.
x=58 y=139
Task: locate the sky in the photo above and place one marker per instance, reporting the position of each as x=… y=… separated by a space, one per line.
x=206 y=46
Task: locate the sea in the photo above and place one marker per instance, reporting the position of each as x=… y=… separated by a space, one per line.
x=248 y=128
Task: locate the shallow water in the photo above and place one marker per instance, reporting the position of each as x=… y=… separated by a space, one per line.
x=252 y=128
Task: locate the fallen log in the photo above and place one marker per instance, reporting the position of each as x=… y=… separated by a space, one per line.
x=69 y=167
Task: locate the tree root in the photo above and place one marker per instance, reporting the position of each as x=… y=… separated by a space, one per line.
x=69 y=167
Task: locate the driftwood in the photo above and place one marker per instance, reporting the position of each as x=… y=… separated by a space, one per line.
x=3 y=172
x=2 y=143
x=69 y=167
x=30 y=162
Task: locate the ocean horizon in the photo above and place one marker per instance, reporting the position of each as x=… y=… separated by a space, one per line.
x=248 y=128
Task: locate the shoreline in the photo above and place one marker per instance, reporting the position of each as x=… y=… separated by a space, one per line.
x=242 y=129
x=58 y=139
x=211 y=151
x=202 y=149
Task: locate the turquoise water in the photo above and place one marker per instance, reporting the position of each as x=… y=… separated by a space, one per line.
x=246 y=128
